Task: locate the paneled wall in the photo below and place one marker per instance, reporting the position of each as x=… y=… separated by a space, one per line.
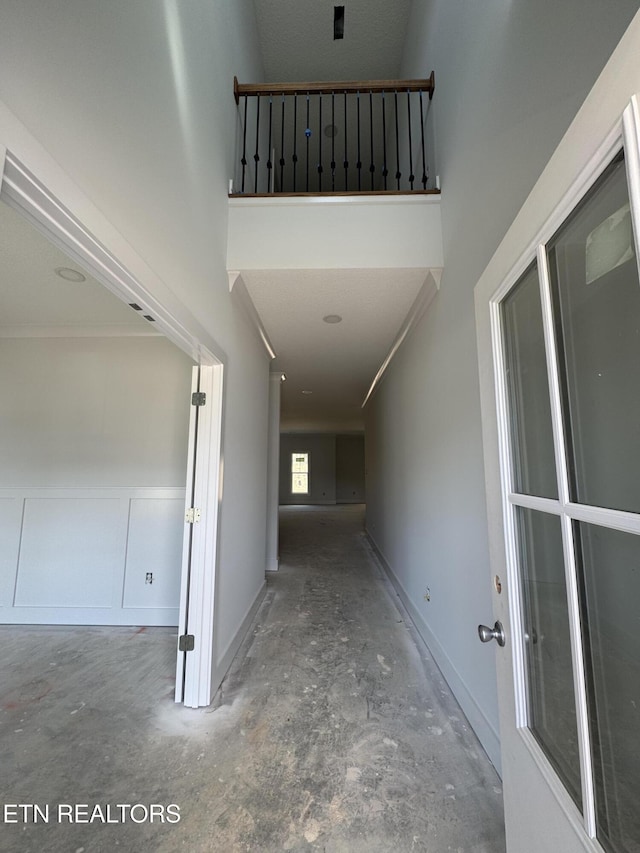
x=93 y=451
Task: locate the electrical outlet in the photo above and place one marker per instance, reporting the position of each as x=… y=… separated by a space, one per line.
x=427 y=595
x=149 y=577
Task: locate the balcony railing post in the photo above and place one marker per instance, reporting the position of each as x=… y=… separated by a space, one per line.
x=359 y=161
x=307 y=133
x=346 y=158
x=295 y=139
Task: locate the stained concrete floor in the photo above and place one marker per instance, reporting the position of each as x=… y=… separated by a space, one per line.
x=333 y=731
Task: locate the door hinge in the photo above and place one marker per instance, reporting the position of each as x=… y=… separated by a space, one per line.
x=186 y=643
x=192 y=515
x=198 y=398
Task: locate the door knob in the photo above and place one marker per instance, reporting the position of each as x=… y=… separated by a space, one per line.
x=496 y=633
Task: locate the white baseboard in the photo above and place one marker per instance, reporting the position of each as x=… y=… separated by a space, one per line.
x=482 y=726
x=226 y=658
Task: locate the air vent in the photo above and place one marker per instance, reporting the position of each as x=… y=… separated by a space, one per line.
x=135 y=306
x=338 y=22
x=149 y=318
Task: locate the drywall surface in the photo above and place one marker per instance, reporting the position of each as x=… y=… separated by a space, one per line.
x=349 y=469
x=322 y=467
x=93 y=460
x=126 y=112
x=358 y=232
x=336 y=463
x=509 y=80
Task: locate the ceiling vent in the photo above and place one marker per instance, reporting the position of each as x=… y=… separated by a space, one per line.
x=338 y=22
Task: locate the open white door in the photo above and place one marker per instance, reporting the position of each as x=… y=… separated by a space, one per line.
x=195 y=650
x=559 y=347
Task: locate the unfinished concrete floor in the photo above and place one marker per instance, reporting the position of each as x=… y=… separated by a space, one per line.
x=333 y=731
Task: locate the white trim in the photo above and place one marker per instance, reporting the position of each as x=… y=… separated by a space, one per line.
x=204 y=551
x=478 y=720
x=89 y=330
x=238 y=288
x=25 y=193
x=548 y=505
x=514 y=622
x=341 y=201
x=422 y=301
x=571 y=570
x=626 y=522
x=631 y=138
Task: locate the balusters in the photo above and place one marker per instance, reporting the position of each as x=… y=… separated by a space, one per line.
x=385 y=171
x=366 y=139
x=320 y=143
x=269 y=163
x=295 y=140
x=372 y=167
x=412 y=177
x=307 y=133
x=282 y=148
x=256 y=156
x=398 y=172
x=359 y=161
x=346 y=158
x=244 y=142
x=333 y=142
x=424 y=165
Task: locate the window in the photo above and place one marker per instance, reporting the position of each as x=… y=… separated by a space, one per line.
x=299 y=473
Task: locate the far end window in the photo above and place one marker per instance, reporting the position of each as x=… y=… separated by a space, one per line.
x=299 y=473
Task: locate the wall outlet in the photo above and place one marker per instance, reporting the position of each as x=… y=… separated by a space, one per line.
x=427 y=594
x=148 y=577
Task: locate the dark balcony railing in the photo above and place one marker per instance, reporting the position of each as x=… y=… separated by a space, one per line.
x=347 y=137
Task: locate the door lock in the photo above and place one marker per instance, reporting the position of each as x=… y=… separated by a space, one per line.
x=496 y=633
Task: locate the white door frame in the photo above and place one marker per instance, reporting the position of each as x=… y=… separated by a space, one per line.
x=23 y=191
x=587 y=148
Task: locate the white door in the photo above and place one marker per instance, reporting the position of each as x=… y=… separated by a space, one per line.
x=562 y=438
x=195 y=656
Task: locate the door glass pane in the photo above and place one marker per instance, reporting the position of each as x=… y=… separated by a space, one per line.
x=611 y=615
x=594 y=278
x=528 y=390
x=552 y=715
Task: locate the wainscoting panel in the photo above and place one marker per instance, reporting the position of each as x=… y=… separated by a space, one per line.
x=108 y=556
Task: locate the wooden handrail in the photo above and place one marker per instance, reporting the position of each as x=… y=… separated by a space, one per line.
x=339 y=87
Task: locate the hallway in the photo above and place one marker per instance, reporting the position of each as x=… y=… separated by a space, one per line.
x=333 y=730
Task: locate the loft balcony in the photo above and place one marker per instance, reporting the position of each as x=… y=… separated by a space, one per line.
x=368 y=136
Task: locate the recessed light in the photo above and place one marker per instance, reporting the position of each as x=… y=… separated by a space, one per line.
x=307 y=392
x=332 y=318
x=283 y=377
x=70 y=275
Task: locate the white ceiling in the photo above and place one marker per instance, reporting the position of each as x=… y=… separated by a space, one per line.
x=337 y=362
x=297 y=39
x=35 y=301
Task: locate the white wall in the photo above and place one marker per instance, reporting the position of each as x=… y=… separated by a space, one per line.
x=93 y=458
x=126 y=111
x=509 y=79
x=336 y=464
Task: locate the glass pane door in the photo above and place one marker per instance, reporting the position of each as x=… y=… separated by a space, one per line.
x=570 y=358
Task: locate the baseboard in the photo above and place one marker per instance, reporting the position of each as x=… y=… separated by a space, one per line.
x=226 y=659
x=482 y=726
